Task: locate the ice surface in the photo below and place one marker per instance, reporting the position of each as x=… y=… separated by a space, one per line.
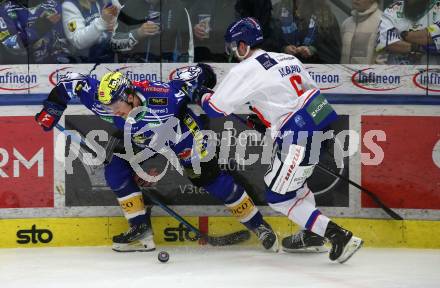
x=210 y=267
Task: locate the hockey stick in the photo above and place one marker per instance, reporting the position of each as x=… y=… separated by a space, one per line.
x=191 y=39
x=228 y=239
x=370 y=194
x=225 y=240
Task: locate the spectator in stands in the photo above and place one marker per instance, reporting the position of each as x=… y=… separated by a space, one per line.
x=262 y=11
x=89 y=26
x=32 y=32
x=158 y=31
x=310 y=29
x=409 y=33
x=210 y=18
x=359 y=33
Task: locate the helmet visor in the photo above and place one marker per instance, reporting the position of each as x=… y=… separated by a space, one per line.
x=114 y=107
x=118 y=103
x=230 y=47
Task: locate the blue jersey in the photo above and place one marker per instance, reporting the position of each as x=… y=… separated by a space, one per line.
x=18 y=32
x=161 y=102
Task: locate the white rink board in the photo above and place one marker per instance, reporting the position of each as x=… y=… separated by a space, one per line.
x=354 y=210
x=331 y=78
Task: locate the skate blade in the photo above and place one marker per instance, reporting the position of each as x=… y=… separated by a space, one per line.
x=132 y=247
x=310 y=249
x=276 y=245
x=352 y=247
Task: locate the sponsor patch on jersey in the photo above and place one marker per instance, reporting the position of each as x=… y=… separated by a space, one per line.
x=185 y=154
x=157 y=89
x=299 y=120
x=140 y=139
x=158 y=101
x=197 y=134
x=4 y=34
x=71 y=26
x=12 y=15
x=319 y=109
x=266 y=61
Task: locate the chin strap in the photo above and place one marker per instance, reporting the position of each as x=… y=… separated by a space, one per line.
x=240 y=57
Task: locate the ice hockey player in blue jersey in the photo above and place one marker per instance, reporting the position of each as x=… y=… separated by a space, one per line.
x=33 y=34
x=114 y=98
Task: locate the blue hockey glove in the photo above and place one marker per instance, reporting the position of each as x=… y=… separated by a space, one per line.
x=49 y=115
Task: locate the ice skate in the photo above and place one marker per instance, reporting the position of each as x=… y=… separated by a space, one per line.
x=267 y=237
x=344 y=244
x=137 y=238
x=304 y=241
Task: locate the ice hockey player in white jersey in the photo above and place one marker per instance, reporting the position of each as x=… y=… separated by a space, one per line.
x=409 y=33
x=287 y=101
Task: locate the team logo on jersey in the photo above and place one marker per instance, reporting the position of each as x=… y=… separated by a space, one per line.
x=157 y=101
x=187 y=74
x=266 y=61
x=71 y=26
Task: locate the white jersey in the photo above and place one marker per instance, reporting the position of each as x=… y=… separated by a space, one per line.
x=393 y=22
x=275 y=85
x=83 y=31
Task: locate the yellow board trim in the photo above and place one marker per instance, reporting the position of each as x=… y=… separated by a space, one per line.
x=98 y=231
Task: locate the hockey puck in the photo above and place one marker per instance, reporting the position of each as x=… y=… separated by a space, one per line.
x=163 y=256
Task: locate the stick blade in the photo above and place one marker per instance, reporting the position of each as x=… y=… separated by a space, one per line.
x=229 y=239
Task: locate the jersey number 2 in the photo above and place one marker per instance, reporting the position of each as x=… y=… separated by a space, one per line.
x=296 y=82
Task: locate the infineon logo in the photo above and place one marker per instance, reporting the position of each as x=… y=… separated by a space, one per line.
x=368 y=79
x=427 y=79
x=324 y=77
x=138 y=76
x=17 y=81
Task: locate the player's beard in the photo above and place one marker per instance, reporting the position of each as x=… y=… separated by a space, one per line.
x=415 y=9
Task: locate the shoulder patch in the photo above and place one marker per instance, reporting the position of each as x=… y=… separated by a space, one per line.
x=158 y=101
x=266 y=61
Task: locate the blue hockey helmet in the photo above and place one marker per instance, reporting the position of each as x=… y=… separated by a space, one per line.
x=246 y=30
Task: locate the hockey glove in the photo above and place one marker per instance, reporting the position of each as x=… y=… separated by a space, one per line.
x=49 y=115
x=207 y=78
x=198 y=94
x=253 y=122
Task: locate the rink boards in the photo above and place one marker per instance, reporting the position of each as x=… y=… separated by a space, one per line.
x=98 y=231
x=37 y=194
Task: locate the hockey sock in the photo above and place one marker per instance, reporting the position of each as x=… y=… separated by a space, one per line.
x=236 y=199
x=300 y=208
x=133 y=208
